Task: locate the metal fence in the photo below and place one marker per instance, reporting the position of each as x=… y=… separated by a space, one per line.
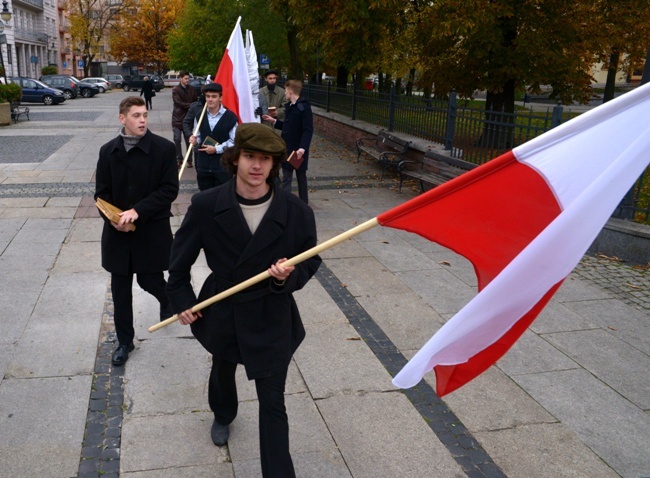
x=465 y=129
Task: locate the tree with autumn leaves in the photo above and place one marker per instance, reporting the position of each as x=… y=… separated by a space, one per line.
x=90 y=21
x=141 y=35
x=503 y=47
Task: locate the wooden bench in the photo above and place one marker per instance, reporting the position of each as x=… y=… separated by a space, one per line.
x=17 y=109
x=386 y=148
x=434 y=168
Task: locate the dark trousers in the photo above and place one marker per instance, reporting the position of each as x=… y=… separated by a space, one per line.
x=301 y=177
x=273 y=425
x=179 y=134
x=147 y=102
x=122 y=290
x=210 y=180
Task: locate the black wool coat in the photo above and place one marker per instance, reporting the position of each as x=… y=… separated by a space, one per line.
x=146 y=179
x=260 y=326
x=297 y=129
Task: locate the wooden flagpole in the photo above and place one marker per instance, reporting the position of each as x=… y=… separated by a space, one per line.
x=189 y=150
x=265 y=275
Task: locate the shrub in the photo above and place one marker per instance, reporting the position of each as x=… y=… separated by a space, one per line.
x=49 y=70
x=10 y=93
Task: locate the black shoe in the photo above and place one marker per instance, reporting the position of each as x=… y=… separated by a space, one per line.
x=166 y=311
x=219 y=433
x=121 y=354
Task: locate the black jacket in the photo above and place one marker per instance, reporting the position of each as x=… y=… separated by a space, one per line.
x=145 y=178
x=147 y=89
x=297 y=129
x=260 y=326
x=194 y=112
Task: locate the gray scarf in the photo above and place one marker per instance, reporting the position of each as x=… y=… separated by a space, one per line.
x=130 y=141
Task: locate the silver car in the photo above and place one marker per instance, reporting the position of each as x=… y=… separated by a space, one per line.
x=115 y=80
x=102 y=83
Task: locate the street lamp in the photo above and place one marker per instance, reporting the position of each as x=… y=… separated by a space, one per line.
x=5 y=14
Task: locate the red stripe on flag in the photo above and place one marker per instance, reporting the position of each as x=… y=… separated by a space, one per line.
x=224 y=77
x=451 y=377
x=488 y=215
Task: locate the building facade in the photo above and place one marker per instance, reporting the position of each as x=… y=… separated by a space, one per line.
x=31 y=37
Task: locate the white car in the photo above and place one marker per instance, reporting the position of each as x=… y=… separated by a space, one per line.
x=101 y=83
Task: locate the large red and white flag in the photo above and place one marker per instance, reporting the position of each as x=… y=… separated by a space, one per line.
x=524 y=220
x=232 y=75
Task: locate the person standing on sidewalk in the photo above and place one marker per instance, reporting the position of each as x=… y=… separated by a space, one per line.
x=246 y=226
x=274 y=96
x=183 y=96
x=297 y=131
x=147 y=91
x=189 y=122
x=137 y=173
x=218 y=126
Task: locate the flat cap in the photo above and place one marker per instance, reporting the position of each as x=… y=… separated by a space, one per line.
x=216 y=87
x=269 y=72
x=259 y=138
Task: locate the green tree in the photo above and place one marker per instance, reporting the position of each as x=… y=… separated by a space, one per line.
x=624 y=36
x=90 y=24
x=142 y=35
x=198 y=44
x=507 y=46
x=345 y=35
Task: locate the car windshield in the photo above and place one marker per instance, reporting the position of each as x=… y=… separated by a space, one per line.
x=41 y=84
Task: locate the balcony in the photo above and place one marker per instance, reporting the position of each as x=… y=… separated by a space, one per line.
x=33 y=4
x=21 y=34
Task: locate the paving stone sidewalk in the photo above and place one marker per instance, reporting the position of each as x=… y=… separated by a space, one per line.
x=570 y=399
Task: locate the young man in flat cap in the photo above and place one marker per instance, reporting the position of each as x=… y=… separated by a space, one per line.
x=244 y=227
x=218 y=128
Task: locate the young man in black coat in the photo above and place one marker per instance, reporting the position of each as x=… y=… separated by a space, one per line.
x=297 y=131
x=137 y=173
x=244 y=227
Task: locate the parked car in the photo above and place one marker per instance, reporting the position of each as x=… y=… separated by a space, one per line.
x=86 y=89
x=197 y=82
x=116 y=81
x=171 y=79
x=101 y=83
x=135 y=82
x=35 y=91
x=64 y=83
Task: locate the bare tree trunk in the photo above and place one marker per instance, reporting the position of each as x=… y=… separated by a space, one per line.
x=409 y=85
x=612 y=69
x=498 y=129
x=342 y=74
x=295 y=70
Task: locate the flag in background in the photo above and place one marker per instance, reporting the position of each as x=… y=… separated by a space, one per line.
x=253 y=75
x=232 y=75
x=524 y=220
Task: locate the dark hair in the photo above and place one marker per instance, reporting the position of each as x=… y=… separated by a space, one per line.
x=183 y=73
x=294 y=85
x=128 y=102
x=230 y=155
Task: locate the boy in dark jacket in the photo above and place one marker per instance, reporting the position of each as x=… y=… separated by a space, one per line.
x=137 y=173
